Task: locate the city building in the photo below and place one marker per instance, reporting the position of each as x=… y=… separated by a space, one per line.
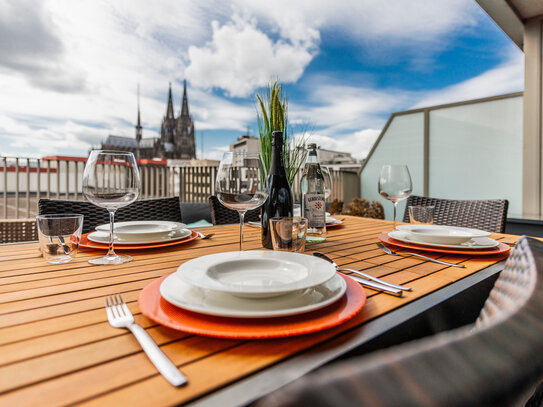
x=246 y=143
x=337 y=160
x=176 y=139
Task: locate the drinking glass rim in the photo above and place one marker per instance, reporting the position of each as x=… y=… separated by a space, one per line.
x=60 y=216
x=294 y=218
x=241 y=153
x=118 y=152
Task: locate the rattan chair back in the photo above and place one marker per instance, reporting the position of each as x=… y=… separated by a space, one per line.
x=221 y=215
x=489 y=215
x=495 y=362
x=18 y=230
x=149 y=209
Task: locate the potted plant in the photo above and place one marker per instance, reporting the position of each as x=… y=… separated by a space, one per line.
x=271 y=116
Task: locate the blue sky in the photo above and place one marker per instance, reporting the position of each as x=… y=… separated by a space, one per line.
x=69 y=70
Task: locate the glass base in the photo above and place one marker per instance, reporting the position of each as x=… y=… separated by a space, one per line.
x=111 y=260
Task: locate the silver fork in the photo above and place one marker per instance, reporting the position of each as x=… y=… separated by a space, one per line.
x=204 y=237
x=119 y=316
x=388 y=251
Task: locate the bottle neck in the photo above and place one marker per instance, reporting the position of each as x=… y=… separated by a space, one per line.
x=277 y=165
x=312 y=157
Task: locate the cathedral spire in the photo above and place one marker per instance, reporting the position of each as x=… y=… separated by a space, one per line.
x=185 y=103
x=169 y=111
x=138 y=127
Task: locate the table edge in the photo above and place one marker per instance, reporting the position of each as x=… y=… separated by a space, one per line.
x=255 y=386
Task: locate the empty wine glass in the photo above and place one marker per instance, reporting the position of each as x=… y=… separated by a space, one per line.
x=241 y=184
x=395 y=184
x=328 y=183
x=111 y=180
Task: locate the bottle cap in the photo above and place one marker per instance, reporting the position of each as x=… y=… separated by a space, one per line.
x=312 y=146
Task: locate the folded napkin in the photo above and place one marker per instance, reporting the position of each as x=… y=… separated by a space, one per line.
x=202 y=223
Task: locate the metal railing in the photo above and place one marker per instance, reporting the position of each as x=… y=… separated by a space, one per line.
x=23 y=181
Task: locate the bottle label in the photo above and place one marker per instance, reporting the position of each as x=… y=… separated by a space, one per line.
x=315 y=210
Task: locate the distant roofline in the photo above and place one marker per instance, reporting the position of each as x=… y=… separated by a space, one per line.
x=64 y=158
x=143 y=161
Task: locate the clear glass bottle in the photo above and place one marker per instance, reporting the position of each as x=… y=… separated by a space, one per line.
x=312 y=187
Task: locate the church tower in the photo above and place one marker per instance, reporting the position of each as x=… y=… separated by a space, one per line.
x=177 y=134
x=138 y=128
x=185 y=143
x=167 y=131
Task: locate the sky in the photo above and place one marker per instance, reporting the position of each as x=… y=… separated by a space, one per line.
x=70 y=70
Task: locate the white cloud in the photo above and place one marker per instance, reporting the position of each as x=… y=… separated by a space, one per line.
x=76 y=83
x=358 y=144
x=393 y=21
x=216 y=153
x=242 y=55
x=19 y=139
x=213 y=112
x=505 y=78
x=241 y=58
x=347 y=108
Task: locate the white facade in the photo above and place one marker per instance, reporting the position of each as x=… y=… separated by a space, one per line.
x=247 y=144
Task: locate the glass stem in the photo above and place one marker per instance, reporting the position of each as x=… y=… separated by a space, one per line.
x=395 y=204
x=111 y=252
x=241 y=218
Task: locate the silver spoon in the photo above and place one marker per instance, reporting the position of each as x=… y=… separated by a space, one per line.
x=366 y=275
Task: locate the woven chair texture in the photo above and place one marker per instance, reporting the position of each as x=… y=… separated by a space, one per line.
x=167 y=209
x=18 y=230
x=221 y=215
x=489 y=215
x=491 y=363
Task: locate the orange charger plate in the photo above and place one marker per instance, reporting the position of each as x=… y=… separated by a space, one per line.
x=500 y=249
x=333 y=225
x=153 y=306
x=85 y=242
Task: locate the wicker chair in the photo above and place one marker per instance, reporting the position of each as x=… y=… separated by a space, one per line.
x=221 y=215
x=489 y=215
x=18 y=230
x=494 y=362
x=151 y=209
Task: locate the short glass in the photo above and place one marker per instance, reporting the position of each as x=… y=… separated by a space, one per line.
x=59 y=236
x=297 y=210
x=288 y=233
x=423 y=215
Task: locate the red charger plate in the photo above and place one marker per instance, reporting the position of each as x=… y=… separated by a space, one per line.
x=501 y=248
x=334 y=224
x=85 y=242
x=153 y=306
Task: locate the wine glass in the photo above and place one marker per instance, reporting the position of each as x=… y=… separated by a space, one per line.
x=395 y=184
x=241 y=184
x=111 y=180
x=328 y=184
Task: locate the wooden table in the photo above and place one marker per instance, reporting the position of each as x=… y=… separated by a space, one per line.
x=57 y=347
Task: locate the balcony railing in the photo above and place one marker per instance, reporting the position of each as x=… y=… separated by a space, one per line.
x=23 y=181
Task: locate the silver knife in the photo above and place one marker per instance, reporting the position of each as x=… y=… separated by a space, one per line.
x=378 y=286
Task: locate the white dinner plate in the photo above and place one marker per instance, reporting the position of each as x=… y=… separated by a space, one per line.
x=136 y=230
x=183 y=295
x=103 y=237
x=442 y=234
x=475 y=243
x=256 y=273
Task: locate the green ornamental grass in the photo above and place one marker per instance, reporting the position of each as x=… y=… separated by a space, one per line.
x=272 y=116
